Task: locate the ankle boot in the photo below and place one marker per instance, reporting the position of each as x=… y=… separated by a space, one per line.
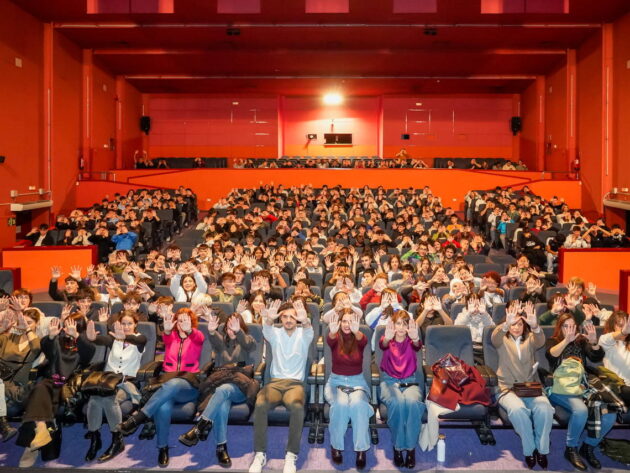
x=410 y=461
x=571 y=454
x=95 y=446
x=129 y=426
x=163 y=457
x=117 y=446
x=191 y=438
x=223 y=456
x=588 y=453
x=6 y=431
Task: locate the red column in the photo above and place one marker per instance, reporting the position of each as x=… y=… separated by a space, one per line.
x=88 y=100
x=540 y=141
x=571 y=108
x=607 y=114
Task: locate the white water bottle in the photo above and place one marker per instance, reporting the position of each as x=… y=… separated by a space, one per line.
x=441 y=448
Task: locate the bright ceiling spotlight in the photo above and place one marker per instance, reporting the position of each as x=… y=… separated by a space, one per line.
x=333 y=98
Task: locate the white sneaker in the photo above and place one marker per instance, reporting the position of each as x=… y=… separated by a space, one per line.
x=289 y=463
x=260 y=459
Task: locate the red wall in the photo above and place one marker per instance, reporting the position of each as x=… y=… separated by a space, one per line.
x=556 y=120
x=589 y=116
x=449 y=126
x=67 y=105
x=201 y=125
x=103 y=118
x=130 y=102
x=21 y=109
x=357 y=115
x=621 y=97
x=531 y=116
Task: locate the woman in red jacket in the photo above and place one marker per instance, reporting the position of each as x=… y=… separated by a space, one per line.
x=183 y=343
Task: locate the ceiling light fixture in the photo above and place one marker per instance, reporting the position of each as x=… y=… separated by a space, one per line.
x=333 y=98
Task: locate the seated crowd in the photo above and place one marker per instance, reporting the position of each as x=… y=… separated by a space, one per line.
x=291 y=291
x=138 y=220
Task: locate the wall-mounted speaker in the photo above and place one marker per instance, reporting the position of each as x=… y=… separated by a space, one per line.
x=2 y=158
x=311 y=136
x=145 y=124
x=516 y=125
x=405 y=136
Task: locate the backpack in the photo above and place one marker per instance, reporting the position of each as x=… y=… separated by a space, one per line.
x=617 y=449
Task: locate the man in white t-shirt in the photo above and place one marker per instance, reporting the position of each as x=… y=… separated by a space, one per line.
x=290 y=345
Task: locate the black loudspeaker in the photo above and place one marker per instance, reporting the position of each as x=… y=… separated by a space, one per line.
x=516 y=125
x=145 y=124
x=2 y=158
x=405 y=136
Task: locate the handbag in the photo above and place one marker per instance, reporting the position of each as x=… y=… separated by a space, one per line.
x=101 y=383
x=528 y=389
x=568 y=378
x=452 y=367
x=7 y=373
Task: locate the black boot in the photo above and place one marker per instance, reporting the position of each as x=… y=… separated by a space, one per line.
x=223 y=456
x=410 y=461
x=95 y=446
x=129 y=426
x=399 y=461
x=163 y=457
x=588 y=453
x=117 y=446
x=571 y=454
x=6 y=431
x=360 y=460
x=191 y=438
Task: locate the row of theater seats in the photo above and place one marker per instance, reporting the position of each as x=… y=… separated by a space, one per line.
x=439 y=341
x=189 y=163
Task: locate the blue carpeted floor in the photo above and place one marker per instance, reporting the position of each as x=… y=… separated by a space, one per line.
x=463 y=452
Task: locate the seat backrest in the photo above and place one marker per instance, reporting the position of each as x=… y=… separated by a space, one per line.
x=552 y=290
x=516 y=293
x=206 y=351
x=490 y=354
x=50 y=308
x=378 y=356
x=163 y=290
x=367 y=354
x=149 y=330
x=442 y=339
x=498 y=312
x=6 y=280
x=456 y=309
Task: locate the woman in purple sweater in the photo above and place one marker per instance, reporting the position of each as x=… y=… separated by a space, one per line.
x=183 y=343
x=400 y=390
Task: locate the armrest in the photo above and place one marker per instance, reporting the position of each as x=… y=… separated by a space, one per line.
x=100 y=366
x=148 y=371
x=259 y=373
x=320 y=344
x=488 y=374
x=546 y=377
x=375 y=375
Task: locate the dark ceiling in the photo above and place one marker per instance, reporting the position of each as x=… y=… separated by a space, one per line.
x=369 y=51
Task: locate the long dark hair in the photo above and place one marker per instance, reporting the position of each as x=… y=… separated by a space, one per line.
x=609 y=326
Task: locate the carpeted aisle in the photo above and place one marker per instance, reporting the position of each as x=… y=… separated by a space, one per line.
x=463 y=451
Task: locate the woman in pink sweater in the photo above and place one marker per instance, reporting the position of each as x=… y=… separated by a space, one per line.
x=183 y=344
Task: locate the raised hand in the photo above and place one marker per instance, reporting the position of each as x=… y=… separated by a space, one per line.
x=530 y=316
x=570 y=334
x=20 y=321
x=118 y=333
x=591 y=290
x=572 y=301
x=558 y=305
x=103 y=314
x=241 y=306
x=591 y=334
x=300 y=311
x=511 y=314
x=355 y=323
x=168 y=319
x=572 y=288
x=90 y=331
x=271 y=311
x=75 y=272
x=55 y=272
x=234 y=324
x=412 y=330
x=390 y=330
x=70 y=327
x=54 y=327
x=65 y=312
x=334 y=324
x=184 y=323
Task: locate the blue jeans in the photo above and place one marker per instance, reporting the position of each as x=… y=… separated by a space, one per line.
x=579 y=415
x=354 y=407
x=218 y=409
x=404 y=410
x=532 y=418
x=161 y=404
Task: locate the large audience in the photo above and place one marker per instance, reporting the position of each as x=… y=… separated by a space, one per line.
x=341 y=278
